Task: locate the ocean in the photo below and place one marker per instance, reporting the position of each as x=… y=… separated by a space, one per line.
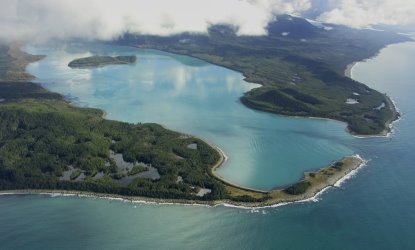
x=372 y=210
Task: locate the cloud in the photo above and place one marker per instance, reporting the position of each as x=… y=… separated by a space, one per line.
x=364 y=13
x=41 y=20
x=107 y=19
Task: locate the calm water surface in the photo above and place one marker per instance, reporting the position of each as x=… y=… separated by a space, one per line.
x=191 y=96
x=374 y=210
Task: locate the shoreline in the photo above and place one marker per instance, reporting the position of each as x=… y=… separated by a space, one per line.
x=391 y=103
x=317 y=188
x=349 y=67
x=278 y=196
x=347 y=73
x=222 y=160
x=310 y=196
x=386 y=133
x=230 y=186
x=313 y=190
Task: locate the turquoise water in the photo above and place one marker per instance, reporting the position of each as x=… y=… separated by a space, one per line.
x=374 y=210
x=188 y=95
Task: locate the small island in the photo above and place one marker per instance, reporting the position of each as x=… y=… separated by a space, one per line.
x=101 y=61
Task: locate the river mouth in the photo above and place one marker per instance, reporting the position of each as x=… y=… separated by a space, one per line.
x=264 y=150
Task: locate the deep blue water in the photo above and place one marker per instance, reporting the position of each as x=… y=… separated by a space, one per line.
x=373 y=210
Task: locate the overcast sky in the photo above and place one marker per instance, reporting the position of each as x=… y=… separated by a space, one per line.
x=107 y=19
x=362 y=13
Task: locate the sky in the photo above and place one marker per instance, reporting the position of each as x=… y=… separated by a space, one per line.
x=363 y=13
x=42 y=20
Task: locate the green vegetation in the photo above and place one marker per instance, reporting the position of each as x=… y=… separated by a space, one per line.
x=75 y=174
x=298 y=188
x=302 y=73
x=13 y=63
x=137 y=169
x=100 y=61
x=338 y=165
x=312 y=183
x=40 y=138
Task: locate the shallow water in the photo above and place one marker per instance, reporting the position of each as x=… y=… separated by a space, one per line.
x=188 y=95
x=373 y=210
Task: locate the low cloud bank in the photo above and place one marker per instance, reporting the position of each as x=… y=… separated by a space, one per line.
x=41 y=20
x=97 y=19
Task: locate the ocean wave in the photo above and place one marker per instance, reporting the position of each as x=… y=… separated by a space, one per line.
x=352 y=173
x=314 y=198
x=390 y=126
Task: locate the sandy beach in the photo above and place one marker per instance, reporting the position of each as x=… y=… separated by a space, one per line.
x=324 y=178
x=348 y=71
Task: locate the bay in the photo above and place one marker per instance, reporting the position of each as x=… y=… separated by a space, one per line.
x=188 y=95
x=373 y=210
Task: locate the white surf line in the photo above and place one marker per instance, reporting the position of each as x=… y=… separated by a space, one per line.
x=390 y=126
x=314 y=198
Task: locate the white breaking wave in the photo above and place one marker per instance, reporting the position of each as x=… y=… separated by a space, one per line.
x=315 y=198
x=352 y=173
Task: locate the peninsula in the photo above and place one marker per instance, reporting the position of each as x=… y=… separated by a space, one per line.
x=101 y=61
x=300 y=66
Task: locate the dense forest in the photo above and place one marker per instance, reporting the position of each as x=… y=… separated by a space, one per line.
x=300 y=65
x=41 y=136
x=46 y=143
x=101 y=61
x=13 y=63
